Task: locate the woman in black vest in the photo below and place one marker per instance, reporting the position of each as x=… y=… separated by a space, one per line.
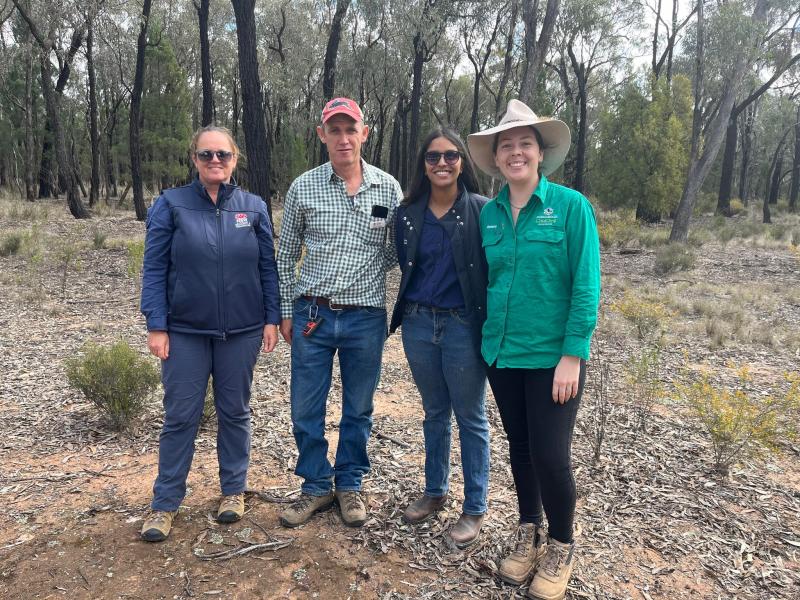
x=442 y=305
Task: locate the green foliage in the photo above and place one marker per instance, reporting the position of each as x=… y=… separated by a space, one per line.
x=741 y=422
x=166 y=106
x=643 y=376
x=616 y=228
x=99 y=239
x=672 y=258
x=135 y=257
x=10 y=244
x=737 y=206
x=648 y=317
x=644 y=152
x=116 y=379
x=209 y=408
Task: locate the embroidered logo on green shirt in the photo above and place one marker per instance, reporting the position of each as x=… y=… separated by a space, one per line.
x=547 y=217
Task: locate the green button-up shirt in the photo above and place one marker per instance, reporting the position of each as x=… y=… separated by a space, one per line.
x=349 y=241
x=544 y=278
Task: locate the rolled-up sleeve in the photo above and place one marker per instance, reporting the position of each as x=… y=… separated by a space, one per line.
x=583 y=250
x=155 y=268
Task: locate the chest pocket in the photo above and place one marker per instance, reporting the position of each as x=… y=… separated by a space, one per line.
x=494 y=251
x=544 y=242
x=371 y=236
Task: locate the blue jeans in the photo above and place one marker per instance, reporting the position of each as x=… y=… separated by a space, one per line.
x=451 y=378
x=192 y=358
x=357 y=334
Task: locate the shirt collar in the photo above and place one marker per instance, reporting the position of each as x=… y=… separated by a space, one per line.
x=368 y=177
x=540 y=192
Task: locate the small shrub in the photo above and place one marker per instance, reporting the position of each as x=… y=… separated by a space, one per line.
x=209 y=408
x=737 y=206
x=67 y=256
x=717 y=332
x=617 y=229
x=135 y=257
x=643 y=376
x=599 y=418
x=648 y=317
x=99 y=239
x=741 y=423
x=116 y=379
x=10 y=244
x=672 y=258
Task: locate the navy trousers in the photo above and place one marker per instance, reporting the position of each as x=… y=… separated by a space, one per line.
x=192 y=359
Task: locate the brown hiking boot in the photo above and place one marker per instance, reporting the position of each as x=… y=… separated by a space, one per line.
x=351 y=505
x=552 y=576
x=302 y=509
x=157 y=525
x=529 y=547
x=423 y=508
x=231 y=508
x=466 y=530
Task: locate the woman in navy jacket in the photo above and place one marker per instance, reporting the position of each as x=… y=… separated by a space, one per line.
x=210 y=296
x=442 y=305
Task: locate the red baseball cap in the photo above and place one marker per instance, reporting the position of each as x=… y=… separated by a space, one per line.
x=342 y=106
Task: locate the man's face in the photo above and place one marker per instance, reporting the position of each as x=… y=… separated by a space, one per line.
x=343 y=137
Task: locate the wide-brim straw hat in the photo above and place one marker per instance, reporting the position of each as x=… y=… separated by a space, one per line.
x=555 y=137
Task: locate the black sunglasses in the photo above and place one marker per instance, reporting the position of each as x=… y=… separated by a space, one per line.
x=451 y=157
x=206 y=155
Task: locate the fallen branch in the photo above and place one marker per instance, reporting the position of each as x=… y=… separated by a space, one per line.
x=228 y=554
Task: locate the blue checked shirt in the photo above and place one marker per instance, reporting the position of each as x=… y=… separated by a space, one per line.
x=348 y=250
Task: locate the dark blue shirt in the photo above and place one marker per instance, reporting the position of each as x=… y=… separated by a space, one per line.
x=434 y=281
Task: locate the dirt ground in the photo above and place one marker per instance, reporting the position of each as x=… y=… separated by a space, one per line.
x=655 y=520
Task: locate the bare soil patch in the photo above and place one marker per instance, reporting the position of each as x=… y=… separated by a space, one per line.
x=656 y=522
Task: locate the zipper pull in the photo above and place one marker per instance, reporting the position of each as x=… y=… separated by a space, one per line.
x=217 y=212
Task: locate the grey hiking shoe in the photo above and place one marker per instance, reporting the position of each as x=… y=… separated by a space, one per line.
x=302 y=509
x=351 y=505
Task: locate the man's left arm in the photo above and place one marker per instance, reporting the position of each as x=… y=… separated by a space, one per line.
x=390 y=249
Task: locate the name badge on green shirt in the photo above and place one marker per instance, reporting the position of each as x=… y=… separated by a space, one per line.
x=548 y=217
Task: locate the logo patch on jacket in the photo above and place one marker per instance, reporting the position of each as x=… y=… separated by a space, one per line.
x=241 y=220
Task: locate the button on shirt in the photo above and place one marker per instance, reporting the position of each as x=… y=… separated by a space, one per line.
x=347 y=249
x=544 y=278
x=435 y=280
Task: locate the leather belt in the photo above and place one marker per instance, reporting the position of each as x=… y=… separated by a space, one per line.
x=319 y=300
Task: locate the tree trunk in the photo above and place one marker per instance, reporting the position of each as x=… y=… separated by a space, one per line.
x=48 y=184
x=775 y=183
x=94 y=131
x=747 y=144
x=794 y=190
x=74 y=202
x=30 y=141
x=500 y=101
x=134 y=137
x=329 y=68
x=207 y=117
x=536 y=50
x=726 y=176
x=699 y=166
x=394 y=141
x=416 y=101
x=255 y=132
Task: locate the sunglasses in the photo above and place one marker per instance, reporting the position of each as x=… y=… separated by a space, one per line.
x=451 y=157
x=207 y=155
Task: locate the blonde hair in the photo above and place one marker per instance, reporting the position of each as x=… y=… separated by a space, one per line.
x=216 y=129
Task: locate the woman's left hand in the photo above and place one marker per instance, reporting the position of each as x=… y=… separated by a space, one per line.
x=565 y=380
x=270 y=338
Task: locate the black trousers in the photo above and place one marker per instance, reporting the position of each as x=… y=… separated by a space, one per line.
x=539 y=433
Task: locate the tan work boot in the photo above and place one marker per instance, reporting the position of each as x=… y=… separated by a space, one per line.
x=423 y=508
x=351 y=505
x=231 y=508
x=302 y=509
x=466 y=530
x=555 y=569
x=529 y=547
x=157 y=525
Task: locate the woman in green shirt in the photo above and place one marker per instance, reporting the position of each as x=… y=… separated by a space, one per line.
x=543 y=256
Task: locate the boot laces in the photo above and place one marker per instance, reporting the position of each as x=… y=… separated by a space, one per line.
x=352 y=501
x=554 y=559
x=523 y=538
x=158 y=518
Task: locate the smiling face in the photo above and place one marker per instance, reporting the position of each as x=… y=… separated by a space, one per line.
x=343 y=136
x=214 y=171
x=518 y=155
x=441 y=174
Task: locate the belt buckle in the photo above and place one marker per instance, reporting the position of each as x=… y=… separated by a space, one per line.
x=335 y=305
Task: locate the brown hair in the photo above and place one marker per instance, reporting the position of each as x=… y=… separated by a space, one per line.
x=217 y=129
x=538 y=135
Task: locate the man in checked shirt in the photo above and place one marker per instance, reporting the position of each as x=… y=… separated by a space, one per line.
x=343 y=213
